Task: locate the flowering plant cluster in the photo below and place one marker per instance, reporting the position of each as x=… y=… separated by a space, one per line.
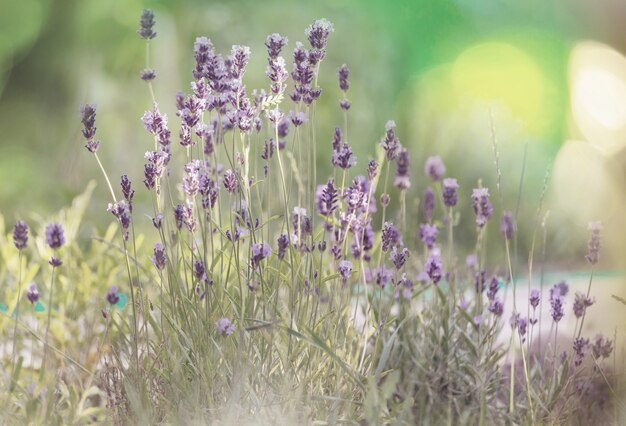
x=267 y=285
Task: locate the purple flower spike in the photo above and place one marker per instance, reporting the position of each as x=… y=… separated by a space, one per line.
x=434 y=168
x=54 y=236
x=260 y=251
x=449 y=194
x=399 y=258
x=225 y=327
x=581 y=303
x=482 y=206
x=602 y=347
x=390 y=236
x=159 y=259
x=230 y=181
x=33 y=294
x=428 y=235
x=318 y=33
x=275 y=43
x=113 y=296
x=556 y=308
x=344 y=269
x=534 y=298
x=146 y=23
x=344 y=73
x=434 y=268
x=55 y=262
x=403 y=163
x=283 y=243
x=372 y=169
x=593 y=246
x=389 y=142
x=428 y=204
x=20 y=235
x=496 y=307
x=326 y=198
x=148 y=75
x=507 y=225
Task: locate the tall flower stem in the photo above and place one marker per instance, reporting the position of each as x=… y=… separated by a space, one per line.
x=17 y=316
x=45 y=342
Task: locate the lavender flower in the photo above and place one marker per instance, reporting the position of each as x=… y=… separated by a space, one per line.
x=556 y=307
x=54 y=236
x=433 y=268
x=581 y=303
x=225 y=327
x=399 y=258
x=428 y=204
x=199 y=271
x=390 y=236
x=593 y=246
x=449 y=194
x=326 y=198
x=496 y=307
x=147 y=75
x=20 y=235
x=298 y=118
x=277 y=73
x=428 y=235
x=127 y=191
x=342 y=155
x=534 y=298
x=345 y=104
x=390 y=142
x=343 y=73
x=302 y=224
x=121 y=212
x=482 y=206
x=283 y=243
x=260 y=251
x=230 y=181
x=507 y=226
x=159 y=259
x=560 y=289
x=494 y=285
x=580 y=349
x=344 y=269
x=55 y=262
x=372 y=169
x=275 y=43
x=112 y=296
x=434 y=168
x=146 y=23
x=88 y=118
x=602 y=347
x=318 y=33
x=33 y=294
x=402 y=180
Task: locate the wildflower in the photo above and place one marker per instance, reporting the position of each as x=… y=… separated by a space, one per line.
x=402 y=170
x=239 y=57
x=283 y=243
x=372 y=169
x=482 y=206
x=112 y=296
x=343 y=157
x=260 y=251
x=399 y=258
x=560 y=289
x=301 y=222
x=581 y=303
x=344 y=269
x=199 y=271
x=318 y=33
x=54 y=236
x=428 y=204
x=507 y=226
x=33 y=294
x=471 y=261
x=88 y=118
x=55 y=262
x=225 y=327
x=275 y=43
x=343 y=73
x=390 y=142
x=534 y=298
x=580 y=348
x=449 y=194
x=602 y=347
x=127 y=191
x=479 y=281
x=148 y=75
x=298 y=118
x=496 y=307
x=433 y=267
x=277 y=73
x=230 y=181
x=428 y=235
x=326 y=198
x=494 y=285
x=593 y=246
x=157 y=221
x=434 y=168
x=20 y=235
x=120 y=211
x=146 y=23
x=390 y=236
x=556 y=308
x=159 y=257
x=345 y=104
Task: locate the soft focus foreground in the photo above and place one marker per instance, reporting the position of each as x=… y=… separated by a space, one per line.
x=265 y=292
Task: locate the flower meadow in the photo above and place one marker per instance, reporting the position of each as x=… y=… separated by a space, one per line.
x=264 y=292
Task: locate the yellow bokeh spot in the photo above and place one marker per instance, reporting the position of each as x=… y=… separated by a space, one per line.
x=504 y=74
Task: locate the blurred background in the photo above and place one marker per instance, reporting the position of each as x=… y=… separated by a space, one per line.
x=548 y=79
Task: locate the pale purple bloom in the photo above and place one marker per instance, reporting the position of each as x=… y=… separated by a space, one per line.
x=556 y=307
x=496 y=307
x=399 y=257
x=581 y=303
x=283 y=244
x=20 y=235
x=434 y=168
x=318 y=33
x=113 y=296
x=602 y=347
x=127 y=191
x=326 y=198
x=230 y=181
x=433 y=268
x=560 y=289
x=298 y=118
x=471 y=261
x=260 y=251
x=54 y=236
x=507 y=225
x=275 y=43
x=534 y=298
x=344 y=269
x=482 y=206
x=428 y=235
x=449 y=194
x=494 y=285
x=390 y=142
x=55 y=262
x=593 y=246
x=301 y=221
x=402 y=179
x=199 y=271
x=225 y=327
x=372 y=169
x=428 y=204
x=580 y=349
x=390 y=236
x=146 y=23
x=33 y=294
x=159 y=259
